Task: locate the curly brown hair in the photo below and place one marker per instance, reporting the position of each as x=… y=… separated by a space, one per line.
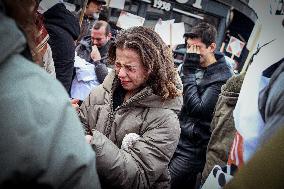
x=156 y=57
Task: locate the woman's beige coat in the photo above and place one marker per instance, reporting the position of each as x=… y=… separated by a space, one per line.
x=143 y=165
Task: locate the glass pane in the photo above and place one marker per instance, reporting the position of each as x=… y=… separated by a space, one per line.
x=154 y=14
x=129 y=6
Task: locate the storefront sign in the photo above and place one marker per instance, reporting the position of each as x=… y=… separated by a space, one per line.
x=162 y=5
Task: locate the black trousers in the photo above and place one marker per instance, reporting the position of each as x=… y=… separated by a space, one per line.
x=183 y=170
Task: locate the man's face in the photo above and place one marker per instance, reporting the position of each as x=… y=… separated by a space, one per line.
x=93 y=8
x=99 y=37
x=204 y=51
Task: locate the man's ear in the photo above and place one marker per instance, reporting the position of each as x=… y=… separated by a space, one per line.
x=212 y=47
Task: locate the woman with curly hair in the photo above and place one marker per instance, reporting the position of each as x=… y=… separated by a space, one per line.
x=132 y=116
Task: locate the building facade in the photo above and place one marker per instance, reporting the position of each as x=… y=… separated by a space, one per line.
x=231 y=17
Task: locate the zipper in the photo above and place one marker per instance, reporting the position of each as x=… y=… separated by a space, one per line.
x=111 y=115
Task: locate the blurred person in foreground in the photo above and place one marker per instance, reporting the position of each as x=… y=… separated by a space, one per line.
x=261 y=154
x=42 y=143
x=203 y=73
x=131 y=119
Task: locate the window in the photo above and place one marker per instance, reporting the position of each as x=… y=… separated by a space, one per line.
x=130 y=6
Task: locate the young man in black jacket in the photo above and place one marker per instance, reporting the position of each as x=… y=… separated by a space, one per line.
x=203 y=73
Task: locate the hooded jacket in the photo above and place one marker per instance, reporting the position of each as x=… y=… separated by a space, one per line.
x=63 y=29
x=144 y=164
x=42 y=143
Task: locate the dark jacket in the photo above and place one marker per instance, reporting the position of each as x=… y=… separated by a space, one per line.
x=42 y=143
x=63 y=28
x=222 y=126
x=200 y=100
x=200 y=97
x=84 y=50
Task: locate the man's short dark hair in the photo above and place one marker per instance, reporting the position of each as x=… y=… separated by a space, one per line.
x=205 y=31
x=100 y=24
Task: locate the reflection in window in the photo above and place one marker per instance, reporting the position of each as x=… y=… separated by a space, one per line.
x=154 y=14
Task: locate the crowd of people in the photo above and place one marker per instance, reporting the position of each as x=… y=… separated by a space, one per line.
x=120 y=115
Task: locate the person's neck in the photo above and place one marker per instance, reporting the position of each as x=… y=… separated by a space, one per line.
x=129 y=94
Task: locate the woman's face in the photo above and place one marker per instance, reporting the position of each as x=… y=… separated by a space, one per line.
x=129 y=69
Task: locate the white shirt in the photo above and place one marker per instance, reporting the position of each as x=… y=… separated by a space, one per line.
x=85 y=79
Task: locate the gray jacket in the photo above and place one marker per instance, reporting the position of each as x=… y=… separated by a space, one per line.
x=271 y=101
x=144 y=164
x=42 y=143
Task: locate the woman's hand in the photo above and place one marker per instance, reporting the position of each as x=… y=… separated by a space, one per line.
x=74 y=103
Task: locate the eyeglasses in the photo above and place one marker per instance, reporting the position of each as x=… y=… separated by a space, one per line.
x=127 y=68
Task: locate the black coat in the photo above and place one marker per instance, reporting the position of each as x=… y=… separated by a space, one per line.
x=201 y=88
x=200 y=97
x=63 y=28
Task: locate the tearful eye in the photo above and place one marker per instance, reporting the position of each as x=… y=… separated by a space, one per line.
x=117 y=66
x=128 y=68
